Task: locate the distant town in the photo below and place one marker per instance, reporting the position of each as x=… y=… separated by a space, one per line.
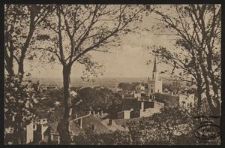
x=131 y=101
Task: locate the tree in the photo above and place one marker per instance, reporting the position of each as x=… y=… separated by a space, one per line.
x=90 y=137
x=79 y=29
x=96 y=98
x=198 y=30
x=20 y=23
x=161 y=128
x=19 y=99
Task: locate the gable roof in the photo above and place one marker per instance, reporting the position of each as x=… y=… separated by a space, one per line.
x=53 y=126
x=113 y=126
x=87 y=122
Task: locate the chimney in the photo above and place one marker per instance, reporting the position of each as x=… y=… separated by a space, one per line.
x=89 y=112
x=80 y=122
x=110 y=121
x=75 y=116
x=101 y=113
x=93 y=112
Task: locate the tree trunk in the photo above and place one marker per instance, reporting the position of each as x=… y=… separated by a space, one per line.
x=9 y=59
x=21 y=67
x=18 y=129
x=199 y=97
x=9 y=68
x=215 y=110
x=63 y=126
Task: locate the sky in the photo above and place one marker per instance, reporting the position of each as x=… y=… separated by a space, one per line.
x=127 y=60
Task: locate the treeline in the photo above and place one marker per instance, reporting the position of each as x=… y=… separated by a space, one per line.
x=130 y=86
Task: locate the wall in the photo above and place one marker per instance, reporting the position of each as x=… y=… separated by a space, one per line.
x=124 y=114
x=127 y=104
x=43 y=129
x=127 y=114
x=154 y=86
x=158 y=87
x=29 y=133
x=150 y=111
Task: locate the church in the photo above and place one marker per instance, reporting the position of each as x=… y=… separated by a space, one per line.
x=154 y=83
x=152 y=99
x=142 y=103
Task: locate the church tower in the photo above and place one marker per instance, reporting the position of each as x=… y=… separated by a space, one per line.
x=154 y=83
x=155 y=75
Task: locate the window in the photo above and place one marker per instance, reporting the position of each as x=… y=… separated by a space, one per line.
x=34 y=127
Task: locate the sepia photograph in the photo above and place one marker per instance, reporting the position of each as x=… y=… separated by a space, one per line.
x=112 y=74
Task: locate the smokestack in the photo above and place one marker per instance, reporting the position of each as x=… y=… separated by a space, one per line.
x=80 y=122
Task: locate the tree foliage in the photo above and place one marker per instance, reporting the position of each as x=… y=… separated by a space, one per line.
x=20 y=23
x=97 y=99
x=128 y=87
x=90 y=137
x=19 y=99
x=197 y=48
x=177 y=128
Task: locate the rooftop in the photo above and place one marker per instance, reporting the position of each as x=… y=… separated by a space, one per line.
x=87 y=122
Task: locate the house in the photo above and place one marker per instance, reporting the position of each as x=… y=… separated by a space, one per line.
x=125 y=114
x=27 y=133
x=39 y=128
x=76 y=126
x=111 y=125
x=186 y=100
x=51 y=135
x=83 y=123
